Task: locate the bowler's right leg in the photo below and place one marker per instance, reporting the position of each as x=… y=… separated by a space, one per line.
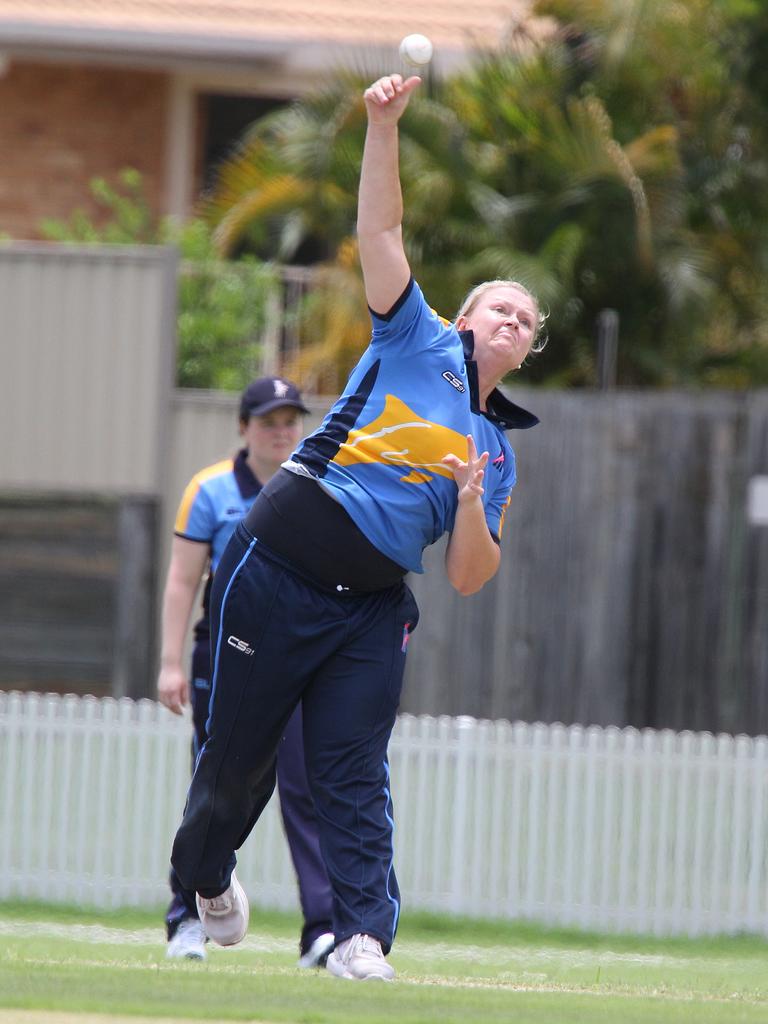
x=235 y=773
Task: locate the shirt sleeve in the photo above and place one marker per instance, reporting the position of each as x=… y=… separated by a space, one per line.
x=410 y=326
x=196 y=516
x=496 y=508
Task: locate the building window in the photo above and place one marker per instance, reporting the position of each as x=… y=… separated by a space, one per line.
x=223 y=119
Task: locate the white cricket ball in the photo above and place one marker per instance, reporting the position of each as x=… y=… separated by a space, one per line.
x=416 y=49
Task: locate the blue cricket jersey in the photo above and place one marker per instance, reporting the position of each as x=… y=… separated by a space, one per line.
x=412 y=399
x=214 y=502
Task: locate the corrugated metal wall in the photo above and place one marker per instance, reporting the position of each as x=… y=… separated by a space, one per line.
x=87 y=342
x=87 y=346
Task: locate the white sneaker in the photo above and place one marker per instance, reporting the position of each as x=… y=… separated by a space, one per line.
x=317 y=954
x=360 y=958
x=188 y=941
x=225 y=918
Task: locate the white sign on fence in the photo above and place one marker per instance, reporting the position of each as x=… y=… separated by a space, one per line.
x=757 y=501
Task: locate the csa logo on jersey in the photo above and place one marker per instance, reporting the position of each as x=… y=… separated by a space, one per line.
x=453 y=380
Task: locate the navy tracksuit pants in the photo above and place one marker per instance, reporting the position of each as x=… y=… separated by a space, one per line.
x=279 y=638
x=296 y=808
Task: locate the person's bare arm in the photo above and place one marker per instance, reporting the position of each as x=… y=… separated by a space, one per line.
x=472 y=556
x=380 y=202
x=188 y=561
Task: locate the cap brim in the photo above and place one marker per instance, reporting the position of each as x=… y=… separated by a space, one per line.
x=276 y=403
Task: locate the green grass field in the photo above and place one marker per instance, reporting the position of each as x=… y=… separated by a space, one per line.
x=57 y=963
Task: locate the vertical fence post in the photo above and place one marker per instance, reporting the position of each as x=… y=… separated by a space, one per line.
x=273 y=319
x=590 y=852
x=665 y=816
x=691 y=865
x=609 y=846
x=607 y=348
x=755 y=913
x=463 y=740
x=627 y=829
x=10 y=755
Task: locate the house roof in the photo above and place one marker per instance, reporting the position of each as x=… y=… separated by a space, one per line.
x=245 y=29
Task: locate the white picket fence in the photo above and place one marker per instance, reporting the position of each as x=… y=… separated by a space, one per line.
x=617 y=830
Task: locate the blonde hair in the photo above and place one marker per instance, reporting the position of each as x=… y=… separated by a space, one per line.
x=472 y=298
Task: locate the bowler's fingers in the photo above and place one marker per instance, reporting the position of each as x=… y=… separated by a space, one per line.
x=175 y=698
x=177 y=705
x=410 y=84
x=390 y=87
x=472 y=457
x=475 y=483
x=172 y=705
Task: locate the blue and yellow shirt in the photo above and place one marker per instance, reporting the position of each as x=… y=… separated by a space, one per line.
x=214 y=502
x=412 y=399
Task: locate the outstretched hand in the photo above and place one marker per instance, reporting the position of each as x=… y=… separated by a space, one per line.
x=387 y=98
x=468 y=475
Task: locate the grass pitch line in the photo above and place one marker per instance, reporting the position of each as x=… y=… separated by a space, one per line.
x=539 y=987
x=102 y=935
x=55 y=1017
x=527 y=957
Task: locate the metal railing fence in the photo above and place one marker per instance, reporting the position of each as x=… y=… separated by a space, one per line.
x=617 y=830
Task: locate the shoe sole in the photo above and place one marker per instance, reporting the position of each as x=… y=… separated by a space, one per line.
x=339 y=971
x=369 y=977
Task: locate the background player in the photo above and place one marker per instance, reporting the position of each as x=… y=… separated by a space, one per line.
x=312 y=581
x=213 y=503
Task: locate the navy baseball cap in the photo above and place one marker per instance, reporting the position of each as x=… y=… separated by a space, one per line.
x=268 y=393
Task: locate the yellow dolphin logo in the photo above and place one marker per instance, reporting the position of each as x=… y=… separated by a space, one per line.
x=400 y=437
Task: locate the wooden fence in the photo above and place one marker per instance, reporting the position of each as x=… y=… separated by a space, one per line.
x=617 y=830
x=633 y=589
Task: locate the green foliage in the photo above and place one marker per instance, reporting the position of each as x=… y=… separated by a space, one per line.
x=221 y=303
x=695 y=311
x=616 y=163
x=222 y=309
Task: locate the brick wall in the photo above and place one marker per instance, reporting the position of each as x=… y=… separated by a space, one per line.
x=60 y=126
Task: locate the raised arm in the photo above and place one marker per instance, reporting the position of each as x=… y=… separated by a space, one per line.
x=380 y=202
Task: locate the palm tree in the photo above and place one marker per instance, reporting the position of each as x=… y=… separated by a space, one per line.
x=597 y=166
x=675 y=74
x=295 y=177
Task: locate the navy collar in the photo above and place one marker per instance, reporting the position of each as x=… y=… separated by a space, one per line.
x=499 y=409
x=245 y=478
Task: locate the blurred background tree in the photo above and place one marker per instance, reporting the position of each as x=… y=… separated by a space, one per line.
x=618 y=163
